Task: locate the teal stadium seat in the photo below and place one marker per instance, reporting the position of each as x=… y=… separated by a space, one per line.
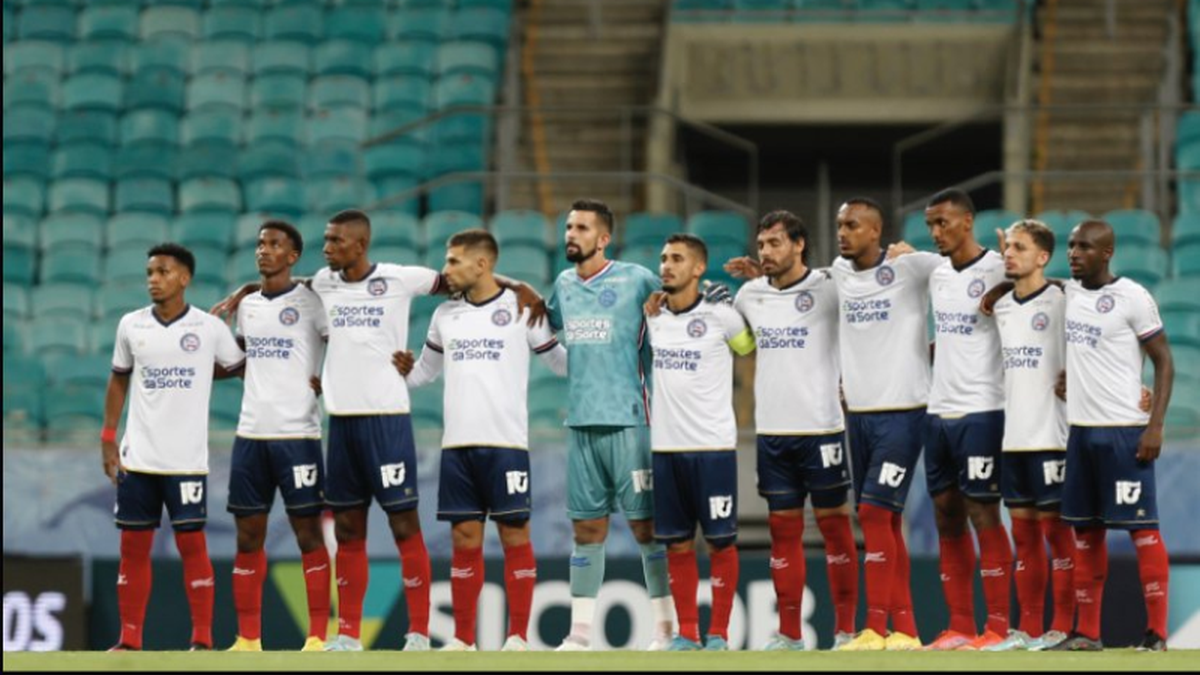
x=647 y=255
x=16 y=302
x=528 y=228
x=34 y=55
x=81 y=126
x=441 y=225
x=245 y=231
x=1061 y=223
x=36 y=88
x=334 y=159
x=152 y=195
x=226 y=405
x=220 y=195
x=1186 y=260
x=270 y=159
x=159 y=21
x=276 y=195
x=108 y=23
x=243 y=24
x=26 y=124
x=230 y=57
x=397 y=255
x=405 y=58
x=19 y=262
x=278 y=92
x=211 y=231
x=525 y=263
x=427 y=24
x=987 y=222
x=391 y=188
x=362 y=23
x=343 y=57
x=1186 y=230
x=156 y=88
x=20 y=231
x=83 y=195
x=650 y=229
x=395 y=229
x=335 y=91
x=1146 y=265
x=403 y=92
x=126 y=266
x=1134 y=226
x=27 y=159
x=469 y=58
x=82 y=160
x=337 y=124
x=92 y=91
x=24 y=196
x=216 y=90
x=481 y=23
x=916 y=232
x=106 y=57
x=208 y=160
x=217 y=126
x=73 y=413
x=299 y=23
x=242 y=267
x=1189 y=195
x=389 y=161
x=171 y=54
x=462 y=90
x=1182 y=327
x=282 y=58
x=153 y=126
x=71 y=300
x=42 y=22
x=67 y=230
x=1177 y=295
x=460 y=195
x=276 y=126
x=719 y=227
x=70 y=265
x=146 y=161
x=312 y=228
x=137 y=231
x=330 y=195
x=84 y=371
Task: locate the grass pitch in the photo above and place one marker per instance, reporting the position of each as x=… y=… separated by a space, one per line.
x=1112 y=660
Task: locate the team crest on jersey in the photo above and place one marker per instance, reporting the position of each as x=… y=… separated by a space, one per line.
x=885 y=275
x=189 y=342
x=804 y=302
x=377 y=286
x=1040 y=321
x=608 y=297
x=501 y=317
x=976 y=288
x=1105 y=304
x=697 y=328
x=289 y=316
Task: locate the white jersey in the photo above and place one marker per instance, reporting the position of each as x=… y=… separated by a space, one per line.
x=1105 y=331
x=797 y=374
x=693 y=378
x=967 y=376
x=284 y=339
x=171 y=365
x=485 y=351
x=1032 y=348
x=368 y=322
x=884 y=347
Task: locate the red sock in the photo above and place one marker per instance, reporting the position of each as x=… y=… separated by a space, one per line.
x=198 y=582
x=1091 y=560
x=685 y=582
x=958 y=571
x=995 y=567
x=133 y=584
x=1154 y=570
x=879 y=563
x=466 y=582
x=1030 y=574
x=901 y=609
x=724 y=588
x=316 y=583
x=248 y=572
x=520 y=576
x=414 y=561
x=841 y=566
x=352 y=576
x=788 y=570
x=1062 y=569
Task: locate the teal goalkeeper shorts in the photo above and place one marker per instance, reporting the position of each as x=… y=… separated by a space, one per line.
x=609 y=467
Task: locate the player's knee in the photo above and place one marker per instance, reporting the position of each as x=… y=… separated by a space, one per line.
x=593 y=531
x=514 y=533
x=718 y=545
x=643 y=531
x=404 y=525
x=350 y=526
x=309 y=536
x=984 y=515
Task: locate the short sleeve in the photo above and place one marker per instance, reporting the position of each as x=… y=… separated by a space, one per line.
x=320 y=321
x=418 y=280
x=651 y=282
x=541 y=337
x=732 y=323
x=1143 y=314
x=433 y=338
x=122 y=360
x=554 y=309
x=923 y=263
x=741 y=300
x=227 y=353
x=237 y=330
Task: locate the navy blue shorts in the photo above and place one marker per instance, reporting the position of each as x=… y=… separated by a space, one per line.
x=295 y=466
x=141 y=497
x=964 y=452
x=790 y=467
x=695 y=487
x=884 y=448
x=371 y=456
x=484 y=481
x=1106 y=485
x=1033 y=479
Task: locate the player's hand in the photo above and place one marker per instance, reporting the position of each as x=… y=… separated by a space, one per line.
x=1001 y=240
x=110 y=456
x=1147 y=401
x=987 y=304
x=1060 y=386
x=655 y=303
x=898 y=249
x=528 y=298
x=314 y=383
x=227 y=308
x=1150 y=445
x=404 y=362
x=744 y=267
x=715 y=293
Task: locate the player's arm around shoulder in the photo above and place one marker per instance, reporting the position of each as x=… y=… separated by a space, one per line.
x=738 y=335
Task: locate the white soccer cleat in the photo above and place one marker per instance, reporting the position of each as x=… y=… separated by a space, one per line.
x=415 y=642
x=660 y=643
x=454 y=645
x=514 y=643
x=343 y=643
x=573 y=644
x=842 y=638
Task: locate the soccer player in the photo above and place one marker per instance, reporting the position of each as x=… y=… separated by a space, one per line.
x=964 y=428
x=693 y=435
x=282 y=327
x=482 y=342
x=1112 y=443
x=168 y=351
x=793 y=311
x=1030 y=323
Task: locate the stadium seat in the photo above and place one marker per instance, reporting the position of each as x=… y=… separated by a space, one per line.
x=278 y=92
x=390 y=122
x=1177 y=295
x=429 y=25
x=435 y=256
x=390 y=190
x=243 y=24
x=916 y=232
x=1185 y=230
x=276 y=195
x=24 y=196
x=334 y=91
x=1134 y=226
x=1062 y=222
x=84 y=371
x=38 y=88
x=284 y=126
x=31 y=125
x=159 y=127
x=157 y=88
x=299 y=23
x=16 y=302
x=221 y=56
x=525 y=263
x=482 y=24
x=34 y=55
x=169 y=21
x=20 y=231
x=462 y=90
x=650 y=229
x=126 y=266
x=38 y=22
x=405 y=58
x=218 y=126
x=19 y=265
x=146 y=161
x=106 y=57
x=216 y=90
x=221 y=195
x=363 y=23
x=1146 y=265
x=205 y=230
x=27 y=159
x=644 y=254
x=83 y=195
x=1182 y=327
x=467 y=58
x=136 y=231
x=68 y=230
x=115 y=301
x=70 y=265
x=440 y=225
x=63 y=299
x=270 y=159
x=81 y=126
x=397 y=255
x=334 y=160
x=465 y=195
x=986 y=222
x=282 y=58
x=1186 y=260
x=242 y=266
x=208 y=160
x=458 y=157
x=72 y=413
x=343 y=57
x=245 y=231
x=719 y=227
x=108 y=23
x=170 y=54
x=337 y=124
x=387 y=161
x=330 y=195
x=311 y=227
x=402 y=92
x=527 y=228
x=393 y=229
x=152 y=195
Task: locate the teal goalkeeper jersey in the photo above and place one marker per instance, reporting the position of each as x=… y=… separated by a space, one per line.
x=604 y=331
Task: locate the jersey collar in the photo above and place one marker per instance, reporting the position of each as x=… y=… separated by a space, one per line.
x=280 y=294
x=807 y=274
x=599 y=273
x=685 y=310
x=368 y=275
x=168 y=324
x=1020 y=301
x=485 y=302
x=971 y=261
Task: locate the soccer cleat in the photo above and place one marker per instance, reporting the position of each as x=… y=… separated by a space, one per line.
x=573 y=643
x=1078 y=643
x=948 y=641
x=415 y=642
x=242 y=644
x=123 y=648
x=866 y=641
x=343 y=643
x=715 y=643
x=988 y=638
x=1153 y=642
x=783 y=643
x=841 y=638
x=456 y=645
x=901 y=642
x=1046 y=640
x=313 y=644
x=515 y=643
x=1017 y=640
x=200 y=647
x=682 y=644
x=660 y=643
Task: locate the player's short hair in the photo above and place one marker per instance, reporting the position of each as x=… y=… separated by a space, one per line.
x=350 y=216
x=286 y=228
x=796 y=231
x=954 y=196
x=694 y=243
x=476 y=239
x=176 y=251
x=597 y=207
x=870 y=204
x=1042 y=236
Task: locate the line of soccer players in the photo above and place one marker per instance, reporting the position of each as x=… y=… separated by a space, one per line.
x=350 y=324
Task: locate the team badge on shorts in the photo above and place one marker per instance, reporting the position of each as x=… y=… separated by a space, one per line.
x=976 y=288
x=501 y=317
x=608 y=297
x=189 y=342
x=804 y=301
x=377 y=286
x=697 y=328
x=885 y=275
x=1040 y=321
x=1105 y=304
x=289 y=316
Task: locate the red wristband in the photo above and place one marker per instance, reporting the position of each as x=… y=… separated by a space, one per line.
x=108 y=435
